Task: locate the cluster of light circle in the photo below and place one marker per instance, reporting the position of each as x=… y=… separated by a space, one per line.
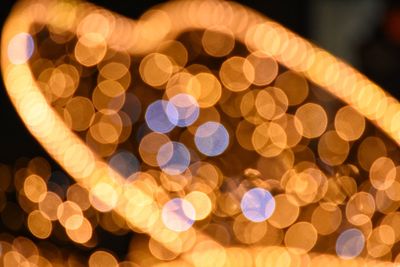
x=211 y=139
x=257 y=205
x=182 y=110
x=351 y=238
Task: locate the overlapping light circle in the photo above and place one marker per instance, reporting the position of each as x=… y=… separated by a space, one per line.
x=211 y=138
x=173 y=158
x=178 y=215
x=257 y=204
x=161 y=117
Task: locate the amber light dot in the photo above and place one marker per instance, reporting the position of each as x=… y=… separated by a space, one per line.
x=313 y=119
x=286 y=212
x=176 y=51
x=247 y=107
x=265 y=68
x=70 y=215
x=382 y=173
x=155 y=69
x=332 y=149
x=34 y=187
x=102 y=259
x=218 y=41
x=149 y=147
x=48 y=205
x=249 y=232
x=90 y=49
x=39 y=225
x=379 y=245
x=294 y=85
x=113 y=70
x=106 y=127
x=236 y=74
x=201 y=204
x=79 y=195
x=269 y=139
x=360 y=208
x=292 y=127
x=326 y=218
x=210 y=89
x=271 y=103
x=349 y=124
x=82 y=234
x=108 y=96
x=183 y=82
x=302 y=235
x=394 y=188
x=303 y=187
x=64 y=81
x=79 y=113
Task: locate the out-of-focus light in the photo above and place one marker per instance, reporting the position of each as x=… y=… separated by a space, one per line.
x=125 y=163
x=350 y=243
x=158 y=119
x=20 y=48
x=173 y=158
x=178 y=215
x=265 y=124
x=257 y=204
x=183 y=109
x=211 y=138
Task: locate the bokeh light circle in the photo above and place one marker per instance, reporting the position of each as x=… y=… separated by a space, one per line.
x=20 y=48
x=178 y=215
x=257 y=204
x=182 y=109
x=211 y=138
x=173 y=158
x=157 y=118
x=350 y=243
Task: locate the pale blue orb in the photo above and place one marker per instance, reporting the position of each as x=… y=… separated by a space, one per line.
x=20 y=48
x=173 y=158
x=157 y=118
x=257 y=204
x=187 y=110
x=211 y=138
x=350 y=243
